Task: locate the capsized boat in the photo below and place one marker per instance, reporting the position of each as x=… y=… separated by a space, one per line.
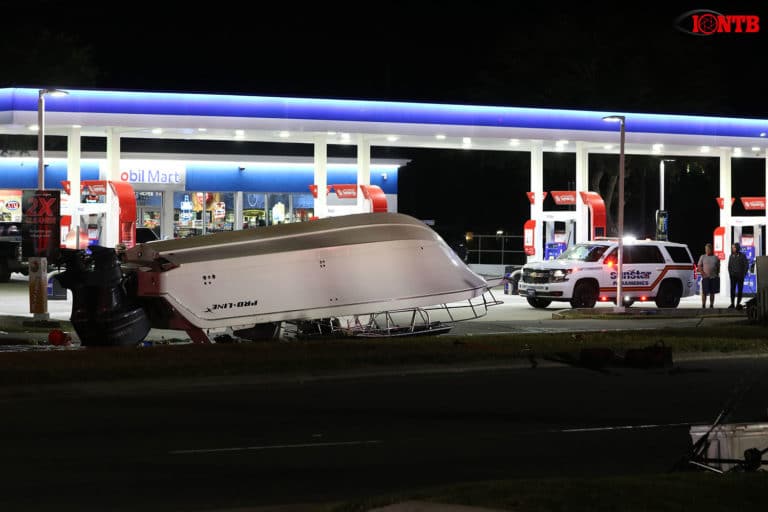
x=255 y=279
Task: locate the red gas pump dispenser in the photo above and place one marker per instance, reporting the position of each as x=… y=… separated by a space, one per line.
x=97 y=193
x=529 y=235
x=718 y=242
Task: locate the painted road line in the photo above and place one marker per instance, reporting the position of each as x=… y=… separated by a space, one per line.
x=274 y=447
x=623 y=427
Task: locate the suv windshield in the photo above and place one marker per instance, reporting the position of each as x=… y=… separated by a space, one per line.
x=583 y=252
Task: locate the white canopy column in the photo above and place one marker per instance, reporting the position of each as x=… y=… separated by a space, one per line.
x=111 y=224
x=363 y=171
x=321 y=176
x=73 y=176
x=166 y=219
x=725 y=218
x=239 y=219
x=582 y=185
x=537 y=206
x=113 y=155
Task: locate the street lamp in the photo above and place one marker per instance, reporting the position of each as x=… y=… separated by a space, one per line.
x=56 y=93
x=620 y=263
x=38 y=266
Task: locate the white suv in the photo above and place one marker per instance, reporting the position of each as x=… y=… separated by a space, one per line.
x=586 y=273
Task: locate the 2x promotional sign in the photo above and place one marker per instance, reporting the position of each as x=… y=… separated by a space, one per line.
x=41 y=224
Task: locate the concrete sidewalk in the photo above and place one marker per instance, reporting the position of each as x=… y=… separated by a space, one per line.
x=24 y=330
x=18 y=327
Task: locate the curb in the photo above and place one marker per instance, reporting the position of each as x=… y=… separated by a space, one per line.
x=641 y=313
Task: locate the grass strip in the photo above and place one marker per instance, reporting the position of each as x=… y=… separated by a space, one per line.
x=702 y=492
x=279 y=357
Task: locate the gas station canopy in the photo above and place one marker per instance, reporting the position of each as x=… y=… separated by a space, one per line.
x=160 y=115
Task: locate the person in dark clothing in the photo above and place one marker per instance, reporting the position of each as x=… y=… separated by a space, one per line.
x=737 y=271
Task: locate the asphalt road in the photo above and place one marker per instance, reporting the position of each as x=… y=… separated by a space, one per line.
x=229 y=443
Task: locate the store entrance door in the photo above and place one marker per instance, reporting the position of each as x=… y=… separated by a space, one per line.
x=149 y=208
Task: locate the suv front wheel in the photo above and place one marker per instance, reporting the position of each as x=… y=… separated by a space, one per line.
x=538 y=303
x=584 y=295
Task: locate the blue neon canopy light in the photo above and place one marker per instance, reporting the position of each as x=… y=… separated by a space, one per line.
x=212 y=105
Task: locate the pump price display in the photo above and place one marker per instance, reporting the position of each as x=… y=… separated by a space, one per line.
x=40 y=228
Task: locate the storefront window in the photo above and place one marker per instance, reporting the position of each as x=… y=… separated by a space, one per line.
x=254 y=213
x=220 y=212
x=10 y=205
x=278 y=209
x=197 y=213
x=303 y=207
x=149 y=206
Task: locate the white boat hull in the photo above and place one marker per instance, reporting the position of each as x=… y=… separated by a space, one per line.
x=316 y=283
x=341 y=266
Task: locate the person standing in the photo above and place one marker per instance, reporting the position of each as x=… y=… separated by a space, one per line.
x=737 y=271
x=709 y=268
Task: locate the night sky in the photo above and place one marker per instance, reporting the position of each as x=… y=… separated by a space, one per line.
x=485 y=53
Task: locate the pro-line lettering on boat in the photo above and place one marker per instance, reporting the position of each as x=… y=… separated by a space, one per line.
x=232 y=305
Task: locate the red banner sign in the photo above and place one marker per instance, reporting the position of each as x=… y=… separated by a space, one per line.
x=753 y=203
x=345 y=191
x=41 y=219
x=564 y=196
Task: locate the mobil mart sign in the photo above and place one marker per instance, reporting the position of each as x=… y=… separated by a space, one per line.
x=152 y=172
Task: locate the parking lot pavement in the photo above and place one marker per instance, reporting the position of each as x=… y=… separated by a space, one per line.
x=18 y=326
x=513 y=315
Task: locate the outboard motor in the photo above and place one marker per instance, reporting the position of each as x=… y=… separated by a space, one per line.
x=102 y=313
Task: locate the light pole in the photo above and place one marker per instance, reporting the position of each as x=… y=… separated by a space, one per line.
x=620 y=263
x=38 y=266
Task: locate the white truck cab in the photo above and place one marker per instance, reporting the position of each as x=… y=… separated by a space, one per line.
x=587 y=273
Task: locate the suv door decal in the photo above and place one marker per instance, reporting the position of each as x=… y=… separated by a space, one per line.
x=653 y=285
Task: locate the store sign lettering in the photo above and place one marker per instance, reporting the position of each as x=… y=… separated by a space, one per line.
x=96 y=189
x=153 y=176
x=753 y=203
x=564 y=197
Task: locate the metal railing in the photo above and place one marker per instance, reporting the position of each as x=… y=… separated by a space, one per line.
x=496 y=249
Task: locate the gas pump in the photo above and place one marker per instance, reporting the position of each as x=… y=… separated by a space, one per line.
x=662 y=225
x=558 y=227
x=750 y=240
x=106 y=215
x=558 y=236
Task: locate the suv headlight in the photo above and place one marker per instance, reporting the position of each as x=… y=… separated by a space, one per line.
x=560 y=275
